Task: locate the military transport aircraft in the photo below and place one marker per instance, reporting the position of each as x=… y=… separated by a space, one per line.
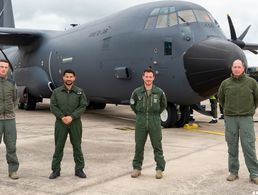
x=180 y=40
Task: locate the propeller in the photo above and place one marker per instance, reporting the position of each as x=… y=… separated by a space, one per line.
x=239 y=41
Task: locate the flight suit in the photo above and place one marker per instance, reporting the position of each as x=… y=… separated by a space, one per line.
x=239 y=99
x=68 y=103
x=147 y=108
x=8 y=98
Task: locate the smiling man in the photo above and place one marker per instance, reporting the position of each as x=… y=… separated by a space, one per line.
x=148 y=101
x=68 y=103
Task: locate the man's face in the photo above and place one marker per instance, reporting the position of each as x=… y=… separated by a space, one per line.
x=4 y=67
x=237 y=68
x=68 y=79
x=148 y=78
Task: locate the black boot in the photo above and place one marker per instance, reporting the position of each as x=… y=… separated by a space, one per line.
x=54 y=174
x=80 y=173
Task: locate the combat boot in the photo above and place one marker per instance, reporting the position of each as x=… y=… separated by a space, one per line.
x=13 y=175
x=159 y=174
x=254 y=180
x=232 y=177
x=136 y=173
x=54 y=175
x=80 y=173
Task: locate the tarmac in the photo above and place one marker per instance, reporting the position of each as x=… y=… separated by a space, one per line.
x=196 y=158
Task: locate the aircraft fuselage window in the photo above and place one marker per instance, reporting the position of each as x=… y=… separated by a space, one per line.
x=202 y=16
x=167 y=48
x=186 y=16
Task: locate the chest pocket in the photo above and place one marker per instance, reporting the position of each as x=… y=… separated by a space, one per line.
x=155 y=102
x=140 y=103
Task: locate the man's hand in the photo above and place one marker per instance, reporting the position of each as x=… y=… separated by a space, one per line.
x=67 y=120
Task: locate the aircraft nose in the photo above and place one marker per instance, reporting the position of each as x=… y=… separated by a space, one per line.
x=207 y=64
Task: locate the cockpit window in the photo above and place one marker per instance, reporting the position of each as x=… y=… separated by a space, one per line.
x=202 y=16
x=172 y=19
x=164 y=17
x=163 y=11
x=186 y=16
x=151 y=22
x=155 y=12
x=162 y=21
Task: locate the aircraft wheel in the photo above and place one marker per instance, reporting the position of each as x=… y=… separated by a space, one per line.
x=169 y=116
x=184 y=117
x=21 y=106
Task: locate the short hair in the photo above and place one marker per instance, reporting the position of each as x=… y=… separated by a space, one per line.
x=238 y=60
x=69 y=71
x=5 y=61
x=149 y=70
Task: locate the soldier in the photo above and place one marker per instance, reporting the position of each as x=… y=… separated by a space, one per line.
x=8 y=97
x=238 y=95
x=148 y=101
x=68 y=103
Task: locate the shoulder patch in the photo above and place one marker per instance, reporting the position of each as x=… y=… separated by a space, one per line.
x=132 y=102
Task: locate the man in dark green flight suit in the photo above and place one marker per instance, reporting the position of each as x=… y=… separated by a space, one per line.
x=68 y=103
x=148 y=101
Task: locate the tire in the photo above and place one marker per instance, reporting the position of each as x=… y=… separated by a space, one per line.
x=30 y=102
x=169 y=116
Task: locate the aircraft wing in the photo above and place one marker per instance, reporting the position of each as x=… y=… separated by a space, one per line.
x=20 y=37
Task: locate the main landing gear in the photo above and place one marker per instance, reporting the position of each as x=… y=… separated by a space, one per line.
x=175 y=116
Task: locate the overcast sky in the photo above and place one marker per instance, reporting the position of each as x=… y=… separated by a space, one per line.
x=58 y=14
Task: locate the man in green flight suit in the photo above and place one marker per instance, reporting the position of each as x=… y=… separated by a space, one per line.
x=238 y=95
x=68 y=103
x=148 y=101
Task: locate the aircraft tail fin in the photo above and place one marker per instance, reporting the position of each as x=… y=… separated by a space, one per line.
x=6 y=14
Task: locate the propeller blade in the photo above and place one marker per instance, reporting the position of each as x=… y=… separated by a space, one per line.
x=232 y=29
x=244 y=33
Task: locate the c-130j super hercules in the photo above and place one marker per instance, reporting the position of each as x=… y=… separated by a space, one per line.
x=180 y=40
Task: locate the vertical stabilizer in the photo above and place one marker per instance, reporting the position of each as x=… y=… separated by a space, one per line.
x=6 y=14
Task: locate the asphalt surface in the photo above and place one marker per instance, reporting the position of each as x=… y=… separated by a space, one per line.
x=196 y=158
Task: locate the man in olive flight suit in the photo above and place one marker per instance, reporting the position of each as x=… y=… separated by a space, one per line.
x=148 y=101
x=238 y=95
x=8 y=97
x=68 y=103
